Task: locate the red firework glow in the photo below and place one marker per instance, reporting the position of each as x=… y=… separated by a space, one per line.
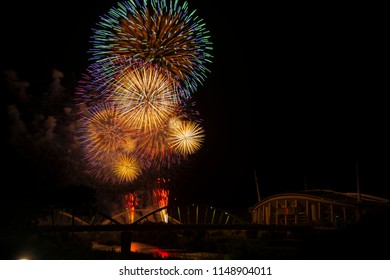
x=162 y=195
x=131 y=203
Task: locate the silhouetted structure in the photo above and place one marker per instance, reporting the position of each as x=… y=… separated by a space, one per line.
x=321 y=208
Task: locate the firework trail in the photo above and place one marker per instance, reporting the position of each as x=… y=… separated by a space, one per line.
x=131 y=202
x=162 y=199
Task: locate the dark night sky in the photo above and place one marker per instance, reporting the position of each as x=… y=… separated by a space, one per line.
x=294 y=91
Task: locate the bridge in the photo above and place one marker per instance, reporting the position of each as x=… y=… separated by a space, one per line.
x=179 y=214
x=180 y=217
x=172 y=217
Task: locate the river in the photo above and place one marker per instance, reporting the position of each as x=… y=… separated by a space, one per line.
x=139 y=247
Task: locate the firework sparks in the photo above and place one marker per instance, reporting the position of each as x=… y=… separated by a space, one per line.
x=154 y=150
x=126 y=168
x=131 y=202
x=162 y=200
x=186 y=137
x=104 y=129
x=147 y=58
x=146 y=96
x=159 y=32
x=107 y=142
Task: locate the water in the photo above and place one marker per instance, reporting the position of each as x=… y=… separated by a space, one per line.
x=139 y=247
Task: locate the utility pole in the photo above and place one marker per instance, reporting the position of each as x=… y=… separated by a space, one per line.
x=357 y=181
x=305 y=183
x=257 y=188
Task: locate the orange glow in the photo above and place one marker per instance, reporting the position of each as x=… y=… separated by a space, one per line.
x=162 y=200
x=131 y=203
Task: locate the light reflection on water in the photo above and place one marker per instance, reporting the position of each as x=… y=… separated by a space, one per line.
x=138 y=247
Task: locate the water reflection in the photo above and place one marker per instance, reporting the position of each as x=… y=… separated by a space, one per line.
x=139 y=247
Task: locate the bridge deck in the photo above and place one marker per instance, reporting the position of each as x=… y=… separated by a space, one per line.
x=162 y=226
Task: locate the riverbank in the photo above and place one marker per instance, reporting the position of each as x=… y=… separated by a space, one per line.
x=361 y=242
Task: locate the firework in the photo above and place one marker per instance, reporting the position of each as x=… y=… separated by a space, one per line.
x=159 y=32
x=154 y=151
x=146 y=96
x=162 y=201
x=107 y=141
x=105 y=129
x=117 y=169
x=93 y=88
x=131 y=203
x=186 y=137
x=129 y=144
x=126 y=168
x=147 y=58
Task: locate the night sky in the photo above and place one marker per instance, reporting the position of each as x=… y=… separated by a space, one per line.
x=294 y=92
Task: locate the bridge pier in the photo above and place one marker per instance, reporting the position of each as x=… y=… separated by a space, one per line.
x=125 y=242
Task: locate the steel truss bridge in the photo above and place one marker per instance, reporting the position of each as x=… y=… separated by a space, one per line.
x=174 y=217
x=184 y=217
x=180 y=214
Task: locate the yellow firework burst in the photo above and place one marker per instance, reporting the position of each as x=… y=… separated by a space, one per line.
x=147 y=96
x=186 y=137
x=126 y=168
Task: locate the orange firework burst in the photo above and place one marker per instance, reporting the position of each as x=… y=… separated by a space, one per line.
x=147 y=96
x=105 y=130
x=159 y=45
x=186 y=137
x=163 y=33
x=129 y=144
x=154 y=150
x=106 y=140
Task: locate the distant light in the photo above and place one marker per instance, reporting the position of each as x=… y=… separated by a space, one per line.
x=25 y=255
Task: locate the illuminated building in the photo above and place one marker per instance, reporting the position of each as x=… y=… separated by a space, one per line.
x=320 y=208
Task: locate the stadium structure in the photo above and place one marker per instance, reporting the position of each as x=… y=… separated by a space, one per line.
x=317 y=207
